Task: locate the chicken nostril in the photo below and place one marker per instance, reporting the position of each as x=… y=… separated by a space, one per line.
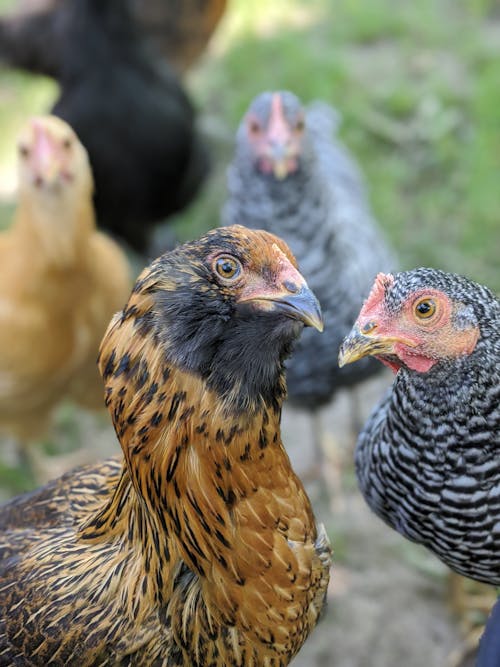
x=369 y=327
x=291 y=286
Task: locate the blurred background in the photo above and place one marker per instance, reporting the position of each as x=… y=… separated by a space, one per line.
x=417 y=87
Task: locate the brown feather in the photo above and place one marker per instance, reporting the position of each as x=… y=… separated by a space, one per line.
x=201 y=549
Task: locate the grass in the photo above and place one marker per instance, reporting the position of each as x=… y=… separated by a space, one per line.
x=417 y=87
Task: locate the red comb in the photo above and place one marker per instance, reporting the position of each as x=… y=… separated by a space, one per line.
x=278 y=128
x=382 y=282
x=43 y=144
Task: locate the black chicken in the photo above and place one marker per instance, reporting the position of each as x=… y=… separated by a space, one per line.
x=427 y=460
x=132 y=115
x=292 y=177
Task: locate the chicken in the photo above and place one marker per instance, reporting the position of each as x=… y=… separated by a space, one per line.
x=199 y=547
x=292 y=177
x=439 y=425
x=133 y=117
x=61 y=282
x=180 y=31
x=427 y=461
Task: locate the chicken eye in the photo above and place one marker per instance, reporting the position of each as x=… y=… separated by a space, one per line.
x=67 y=143
x=24 y=151
x=300 y=125
x=227 y=267
x=254 y=127
x=425 y=308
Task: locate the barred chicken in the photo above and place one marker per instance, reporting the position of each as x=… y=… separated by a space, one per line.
x=199 y=547
x=291 y=176
x=427 y=460
x=61 y=282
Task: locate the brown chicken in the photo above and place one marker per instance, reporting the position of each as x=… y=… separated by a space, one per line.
x=61 y=281
x=199 y=547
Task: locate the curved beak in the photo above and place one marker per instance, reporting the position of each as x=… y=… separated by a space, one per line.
x=300 y=305
x=358 y=345
x=286 y=292
x=288 y=295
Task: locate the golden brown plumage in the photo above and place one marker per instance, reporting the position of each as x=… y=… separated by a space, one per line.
x=201 y=549
x=61 y=282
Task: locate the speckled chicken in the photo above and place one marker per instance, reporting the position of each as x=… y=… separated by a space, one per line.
x=427 y=460
x=199 y=547
x=291 y=176
x=61 y=281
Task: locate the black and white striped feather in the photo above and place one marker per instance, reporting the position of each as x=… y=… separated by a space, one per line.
x=428 y=459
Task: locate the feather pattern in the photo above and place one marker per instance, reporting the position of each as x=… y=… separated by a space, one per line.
x=427 y=460
x=200 y=547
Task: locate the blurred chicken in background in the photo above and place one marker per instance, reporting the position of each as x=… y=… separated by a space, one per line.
x=127 y=107
x=292 y=176
x=178 y=29
x=61 y=281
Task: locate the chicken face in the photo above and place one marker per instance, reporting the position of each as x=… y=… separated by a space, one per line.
x=232 y=299
x=50 y=157
x=410 y=321
x=275 y=126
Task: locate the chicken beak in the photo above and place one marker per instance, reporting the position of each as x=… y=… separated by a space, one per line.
x=358 y=345
x=300 y=305
x=280 y=168
x=294 y=299
x=288 y=294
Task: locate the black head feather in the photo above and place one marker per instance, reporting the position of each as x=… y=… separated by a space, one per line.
x=201 y=326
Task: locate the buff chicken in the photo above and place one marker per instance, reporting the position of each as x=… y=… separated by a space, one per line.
x=62 y=280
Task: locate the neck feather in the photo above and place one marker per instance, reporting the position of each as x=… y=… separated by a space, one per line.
x=219 y=495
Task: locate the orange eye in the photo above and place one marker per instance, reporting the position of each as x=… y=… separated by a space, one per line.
x=425 y=308
x=227 y=267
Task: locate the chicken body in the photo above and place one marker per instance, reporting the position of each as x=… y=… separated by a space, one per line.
x=427 y=460
x=200 y=547
x=292 y=177
x=61 y=282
